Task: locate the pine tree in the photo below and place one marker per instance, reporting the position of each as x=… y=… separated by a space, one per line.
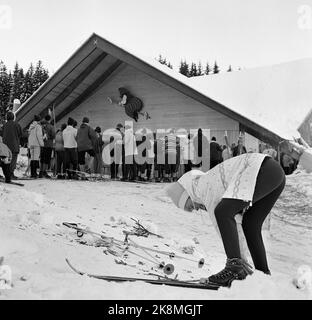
x=28 y=83
x=207 y=69
x=199 y=69
x=17 y=88
x=160 y=58
x=184 y=68
x=216 y=68
x=164 y=61
x=40 y=75
x=4 y=89
x=193 y=71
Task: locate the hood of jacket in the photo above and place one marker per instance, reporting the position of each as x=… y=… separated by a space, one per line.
x=33 y=125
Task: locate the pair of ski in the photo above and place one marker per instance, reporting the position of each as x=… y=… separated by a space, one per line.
x=195 y=284
x=160 y=280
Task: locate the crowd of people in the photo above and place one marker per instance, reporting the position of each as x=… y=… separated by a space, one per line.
x=70 y=152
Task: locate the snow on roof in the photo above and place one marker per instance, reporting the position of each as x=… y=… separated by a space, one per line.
x=277 y=97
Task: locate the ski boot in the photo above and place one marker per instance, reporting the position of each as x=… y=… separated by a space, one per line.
x=235 y=269
x=45 y=175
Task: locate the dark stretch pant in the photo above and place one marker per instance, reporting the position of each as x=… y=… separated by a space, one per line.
x=70 y=158
x=60 y=162
x=269 y=185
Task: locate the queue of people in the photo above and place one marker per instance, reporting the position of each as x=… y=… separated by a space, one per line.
x=70 y=152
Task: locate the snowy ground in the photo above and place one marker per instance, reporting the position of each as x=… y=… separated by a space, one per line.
x=34 y=243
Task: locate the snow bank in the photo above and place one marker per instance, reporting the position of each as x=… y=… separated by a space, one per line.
x=34 y=242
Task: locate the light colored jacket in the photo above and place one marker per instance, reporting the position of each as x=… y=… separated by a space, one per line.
x=69 y=137
x=35 y=138
x=234 y=178
x=59 y=142
x=130 y=144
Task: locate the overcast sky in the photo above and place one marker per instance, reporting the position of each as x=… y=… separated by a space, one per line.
x=244 y=33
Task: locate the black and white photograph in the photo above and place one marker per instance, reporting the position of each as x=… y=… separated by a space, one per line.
x=156 y=151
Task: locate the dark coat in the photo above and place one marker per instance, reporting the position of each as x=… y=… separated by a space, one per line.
x=12 y=133
x=236 y=151
x=49 y=132
x=86 y=138
x=98 y=145
x=215 y=151
x=133 y=104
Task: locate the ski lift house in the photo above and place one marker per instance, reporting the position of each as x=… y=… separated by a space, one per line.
x=81 y=86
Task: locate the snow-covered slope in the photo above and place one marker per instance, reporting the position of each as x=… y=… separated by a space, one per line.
x=34 y=243
x=276 y=97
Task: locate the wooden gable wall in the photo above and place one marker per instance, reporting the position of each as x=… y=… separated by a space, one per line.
x=168 y=107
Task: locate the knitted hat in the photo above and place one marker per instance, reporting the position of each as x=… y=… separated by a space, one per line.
x=177 y=194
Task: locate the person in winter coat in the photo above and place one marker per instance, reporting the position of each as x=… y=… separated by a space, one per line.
x=46 y=150
x=35 y=142
x=130 y=152
x=243 y=188
x=133 y=105
x=160 y=158
x=201 y=145
x=172 y=156
x=60 y=152
x=5 y=160
x=98 y=147
x=239 y=149
x=215 y=153
x=12 y=134
x=70 y=148
x=86 y=138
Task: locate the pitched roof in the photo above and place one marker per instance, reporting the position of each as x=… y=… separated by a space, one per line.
x=98 y=58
